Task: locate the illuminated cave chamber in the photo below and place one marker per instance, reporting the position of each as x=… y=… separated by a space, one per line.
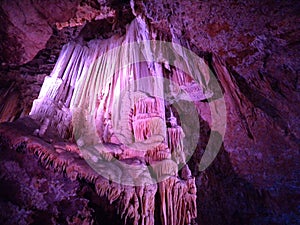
x=115 y=99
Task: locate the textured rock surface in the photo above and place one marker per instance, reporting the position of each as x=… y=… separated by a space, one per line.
x=255 y=178
x=24 y=31
x=26 y=26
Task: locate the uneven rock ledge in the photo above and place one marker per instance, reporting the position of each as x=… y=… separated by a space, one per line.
x=32 y=194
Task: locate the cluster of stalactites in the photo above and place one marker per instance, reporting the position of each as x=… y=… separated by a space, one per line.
x=177 y=194
x=52 y=107
x=135 y=204
x=149 y=106
x=147 y=119
x=178 y=200
x=82 y=91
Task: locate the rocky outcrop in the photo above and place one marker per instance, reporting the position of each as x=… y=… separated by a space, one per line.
x=26 y=26
x=25 y=32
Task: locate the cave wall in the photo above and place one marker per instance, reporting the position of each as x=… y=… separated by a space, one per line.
x=254 y=179
x=257 y=43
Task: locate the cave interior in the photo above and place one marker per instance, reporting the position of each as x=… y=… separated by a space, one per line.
x=149 y=112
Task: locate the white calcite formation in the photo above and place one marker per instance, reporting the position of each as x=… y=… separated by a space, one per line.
x=113 y=101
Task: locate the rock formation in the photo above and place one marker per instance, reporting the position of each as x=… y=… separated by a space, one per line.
x=119 y=123
x=126 y=138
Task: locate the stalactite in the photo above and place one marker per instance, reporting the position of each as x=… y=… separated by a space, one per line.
x=175 y=140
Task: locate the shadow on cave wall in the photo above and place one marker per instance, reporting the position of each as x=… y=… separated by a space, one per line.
x=224 y=197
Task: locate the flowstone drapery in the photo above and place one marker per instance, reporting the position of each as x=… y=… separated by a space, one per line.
x=113 y=98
